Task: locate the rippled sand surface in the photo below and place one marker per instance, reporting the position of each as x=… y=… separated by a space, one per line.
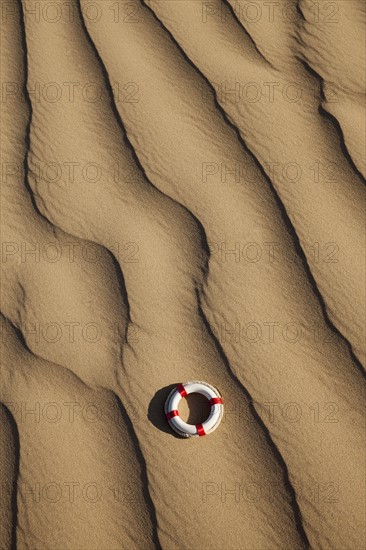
x=182 y=198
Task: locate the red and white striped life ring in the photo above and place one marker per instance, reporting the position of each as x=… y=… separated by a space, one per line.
x=194 y=430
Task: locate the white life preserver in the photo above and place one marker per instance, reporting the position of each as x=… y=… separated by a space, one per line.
x=194 y=430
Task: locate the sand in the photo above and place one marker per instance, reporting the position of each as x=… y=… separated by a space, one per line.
x=182 y=199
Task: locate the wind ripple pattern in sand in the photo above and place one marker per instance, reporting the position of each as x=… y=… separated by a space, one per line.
x=166 y=205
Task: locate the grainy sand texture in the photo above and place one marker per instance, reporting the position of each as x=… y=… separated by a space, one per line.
x=182 y=198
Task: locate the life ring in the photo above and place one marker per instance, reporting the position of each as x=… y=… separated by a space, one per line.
x=194 y=430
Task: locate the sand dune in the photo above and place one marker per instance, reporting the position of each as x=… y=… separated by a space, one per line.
x=72 y=491
x=160 y=225
x=302 y=168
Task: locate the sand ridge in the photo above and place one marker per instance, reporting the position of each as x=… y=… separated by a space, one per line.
x=161 y=188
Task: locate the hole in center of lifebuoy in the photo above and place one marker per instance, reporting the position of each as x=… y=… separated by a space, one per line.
x=194 y=408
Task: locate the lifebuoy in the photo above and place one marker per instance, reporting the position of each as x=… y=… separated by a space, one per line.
x=194 y=430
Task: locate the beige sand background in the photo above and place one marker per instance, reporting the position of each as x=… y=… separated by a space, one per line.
x=182 y=199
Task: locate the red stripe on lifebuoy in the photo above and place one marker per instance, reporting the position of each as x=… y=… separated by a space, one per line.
x=170 y=414
x=181 y=390
x=200 y=430
x=215 y=401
